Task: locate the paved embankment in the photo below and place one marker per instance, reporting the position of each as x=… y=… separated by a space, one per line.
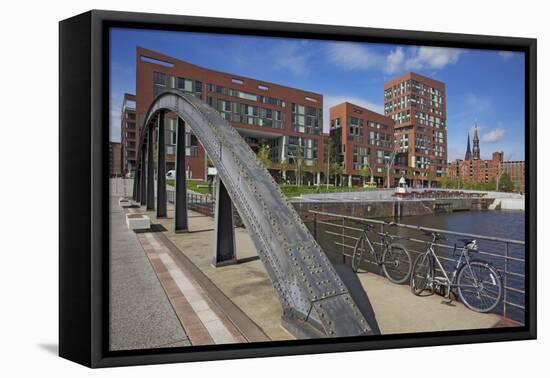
x=383 y=204
x=141 y=316
x=244 y=294
x=242 y=291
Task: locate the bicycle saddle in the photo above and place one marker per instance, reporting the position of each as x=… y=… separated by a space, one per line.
x=469 y=244
x=365 y=224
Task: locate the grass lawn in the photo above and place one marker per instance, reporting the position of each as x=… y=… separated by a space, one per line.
x=296 y=191
x=288 y=190
x=194 y=185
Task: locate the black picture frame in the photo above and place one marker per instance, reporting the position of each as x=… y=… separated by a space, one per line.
x=83 y=209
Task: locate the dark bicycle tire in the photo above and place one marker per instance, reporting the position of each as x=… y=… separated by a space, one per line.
x=423 y=271
x=357 y=257
x=404 y=263
x=495 y=282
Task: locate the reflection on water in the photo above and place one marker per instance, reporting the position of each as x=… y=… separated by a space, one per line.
x=503 y=224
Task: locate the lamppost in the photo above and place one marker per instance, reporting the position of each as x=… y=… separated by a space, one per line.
x=297 y=169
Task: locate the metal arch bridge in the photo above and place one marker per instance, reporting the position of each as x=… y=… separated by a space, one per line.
x=315 y=300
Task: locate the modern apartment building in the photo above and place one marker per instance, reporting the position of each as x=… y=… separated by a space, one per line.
x=128 y=134
x=417 y=104
x=362 y=138
x=286 y=120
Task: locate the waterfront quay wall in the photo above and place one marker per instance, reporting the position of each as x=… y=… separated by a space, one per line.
x=388 y=208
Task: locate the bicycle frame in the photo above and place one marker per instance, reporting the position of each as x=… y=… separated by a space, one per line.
x=373 y=251
x=449 y=282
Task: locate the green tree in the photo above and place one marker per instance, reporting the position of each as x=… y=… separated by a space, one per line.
x=298 y=153
x=429 y=177
x=505 y=183
x=340 y=173
x=284 y=168
x=365 y=172
x=316 y=168
x=446 y=181
x=334 y=171
x=328 y=157
x=263 y=155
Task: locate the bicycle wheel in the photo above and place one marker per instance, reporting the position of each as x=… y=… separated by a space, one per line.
x=422 y=275
x=358 y=251
x=396 y=263
x=479 y=286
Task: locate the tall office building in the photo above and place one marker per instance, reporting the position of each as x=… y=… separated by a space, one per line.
x=128 y=134
x=417 y=104
x=361 y=138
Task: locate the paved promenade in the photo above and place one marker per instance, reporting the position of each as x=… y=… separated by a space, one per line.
x=141 y=316
x=242 y=291
x=165 y=292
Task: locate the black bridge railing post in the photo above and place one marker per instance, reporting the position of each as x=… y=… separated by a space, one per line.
x=161 y=169
x=181 y=223
x=150 y=170
x=224 y=242
x=143 y=177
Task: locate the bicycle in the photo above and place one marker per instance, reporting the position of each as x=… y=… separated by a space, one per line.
x=393 y=258
x=477 y=282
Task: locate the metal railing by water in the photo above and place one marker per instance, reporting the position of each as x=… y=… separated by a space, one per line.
x=198 y=202
x=343 y=235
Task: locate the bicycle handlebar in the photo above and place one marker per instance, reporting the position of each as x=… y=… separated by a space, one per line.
x=435 y=235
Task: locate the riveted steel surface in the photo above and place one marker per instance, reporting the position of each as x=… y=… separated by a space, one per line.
x=309 y=288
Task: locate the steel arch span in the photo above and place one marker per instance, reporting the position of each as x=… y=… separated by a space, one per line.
x=315 y=300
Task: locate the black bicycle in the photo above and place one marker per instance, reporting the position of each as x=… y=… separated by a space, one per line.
x=477 y=282
x=393 y=258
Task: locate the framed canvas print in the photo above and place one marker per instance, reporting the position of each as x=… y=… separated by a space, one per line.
x=234 y=188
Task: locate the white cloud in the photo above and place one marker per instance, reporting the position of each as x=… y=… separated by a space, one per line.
x=432 y=57
x=292 y=57
x=493 y=136
x=330 y=101
x=353 y=56
x=395 y=60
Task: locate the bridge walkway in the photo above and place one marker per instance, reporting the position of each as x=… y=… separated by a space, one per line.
x=247 y=286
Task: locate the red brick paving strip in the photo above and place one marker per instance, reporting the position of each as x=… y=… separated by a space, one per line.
x=190 y=321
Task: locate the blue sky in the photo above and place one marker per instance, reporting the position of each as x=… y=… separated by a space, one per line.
x=482 y=85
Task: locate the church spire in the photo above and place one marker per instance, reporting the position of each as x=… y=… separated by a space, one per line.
x=476 y=151
x=468 y=151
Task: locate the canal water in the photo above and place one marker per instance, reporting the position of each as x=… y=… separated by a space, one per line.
x=502 y=224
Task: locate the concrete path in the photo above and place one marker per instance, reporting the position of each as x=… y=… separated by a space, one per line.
x=398 y=310
x=238 y=301
x=203 y=320
x=141 y=316
x=245 y=284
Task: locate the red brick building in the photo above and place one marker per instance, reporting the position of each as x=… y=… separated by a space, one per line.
x=264 y=113
x=476 y=170
x=115 y=162
x=128 y=134
x=361 y=138
x=417 y=104
x=516 y=170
